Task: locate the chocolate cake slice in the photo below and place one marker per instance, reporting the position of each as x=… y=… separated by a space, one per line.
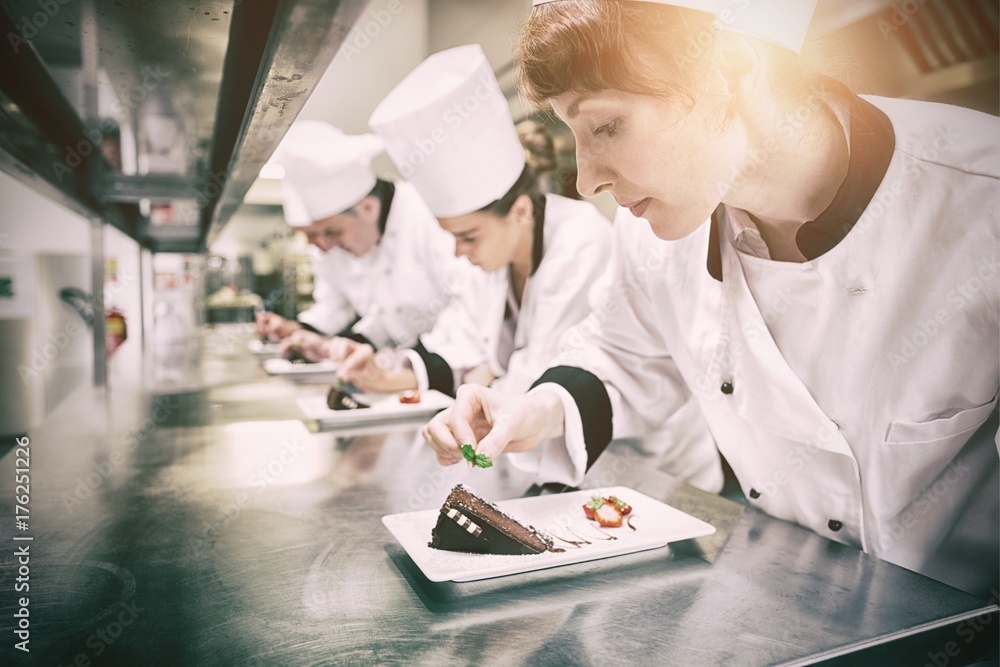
x=469 y=524
x=338 y=399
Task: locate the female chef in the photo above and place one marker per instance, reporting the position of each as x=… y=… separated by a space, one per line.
x=447 y=126
x=824 y=279
x=383 y=268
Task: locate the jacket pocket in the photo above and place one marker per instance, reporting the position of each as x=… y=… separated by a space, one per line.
x=916 y=454
x=946 y=428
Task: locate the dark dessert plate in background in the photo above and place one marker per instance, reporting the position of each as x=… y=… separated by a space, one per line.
x=558 y=515
x=381 y=408
x=292 y=370
x=264 y=350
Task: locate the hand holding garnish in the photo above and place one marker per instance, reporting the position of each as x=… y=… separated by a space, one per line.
x=481 y=460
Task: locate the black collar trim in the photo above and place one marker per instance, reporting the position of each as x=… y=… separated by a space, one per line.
x=873 y=141
x=538 y=210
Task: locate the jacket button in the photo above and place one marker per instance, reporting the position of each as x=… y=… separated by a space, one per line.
x=726 y=388
x=754 y=494
x=835 y=525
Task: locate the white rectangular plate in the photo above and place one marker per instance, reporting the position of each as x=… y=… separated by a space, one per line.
x=285 y=368
x=382 y=407
x=264 y=350
x=656 y=525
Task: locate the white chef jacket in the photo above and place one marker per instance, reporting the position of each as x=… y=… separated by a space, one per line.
x=399 y=288
x=576 y=245
x=855 y=393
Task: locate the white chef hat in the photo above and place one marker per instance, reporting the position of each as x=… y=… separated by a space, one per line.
x=326 y=171
x=293 y=207
x=783 y=22
x=448 y=128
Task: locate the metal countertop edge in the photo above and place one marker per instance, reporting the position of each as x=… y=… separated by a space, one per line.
x=902 y=634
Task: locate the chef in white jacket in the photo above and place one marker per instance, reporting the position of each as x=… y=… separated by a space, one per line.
x=539 y=253
x=384 y=270
x=836 y=316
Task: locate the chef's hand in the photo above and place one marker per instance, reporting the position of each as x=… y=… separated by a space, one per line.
x=274 y=327
x=481 y=375
x=339 y=348
x=493 y=422
x=375 y=371
x=306 y=343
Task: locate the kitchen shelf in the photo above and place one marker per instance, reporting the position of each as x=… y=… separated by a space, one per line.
x=204 y=94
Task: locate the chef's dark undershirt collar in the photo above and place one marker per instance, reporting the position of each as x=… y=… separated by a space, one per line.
x=872 y=144
x=538 y=211
x=389 y=189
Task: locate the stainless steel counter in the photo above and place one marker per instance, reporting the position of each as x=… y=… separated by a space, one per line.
x=210 y=524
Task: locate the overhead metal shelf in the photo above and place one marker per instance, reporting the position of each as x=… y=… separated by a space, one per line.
x=114 y=109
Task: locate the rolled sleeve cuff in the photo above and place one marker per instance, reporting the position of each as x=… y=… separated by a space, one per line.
x=560 y=460
x=437 y=373
x=372 y=330
x=592 y=405
x=416 y=364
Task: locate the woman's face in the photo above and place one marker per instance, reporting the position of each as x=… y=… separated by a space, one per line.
x=488 y=240
x=669 y=163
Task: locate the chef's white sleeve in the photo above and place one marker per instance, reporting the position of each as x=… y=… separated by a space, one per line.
x=331 y=312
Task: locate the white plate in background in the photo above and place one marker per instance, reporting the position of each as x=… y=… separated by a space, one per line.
x=382 y=407
x=656 y=523
x=264 y=350
x=285 y=368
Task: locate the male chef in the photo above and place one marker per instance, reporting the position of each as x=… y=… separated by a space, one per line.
x=383 y=266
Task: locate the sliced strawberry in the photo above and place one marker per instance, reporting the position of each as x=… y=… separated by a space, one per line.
x=409 y=397
x=608 y=516
x=622 y=506
x=595 y=504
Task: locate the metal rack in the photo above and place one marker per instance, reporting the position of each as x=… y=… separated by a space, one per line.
x=205 y=93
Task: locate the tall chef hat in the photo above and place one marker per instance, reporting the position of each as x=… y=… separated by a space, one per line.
x=326 y=171
x=783 y=22
x=448 y=128
x=293 y=208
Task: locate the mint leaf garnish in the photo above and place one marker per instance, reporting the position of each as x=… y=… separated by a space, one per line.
x=481 y=460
